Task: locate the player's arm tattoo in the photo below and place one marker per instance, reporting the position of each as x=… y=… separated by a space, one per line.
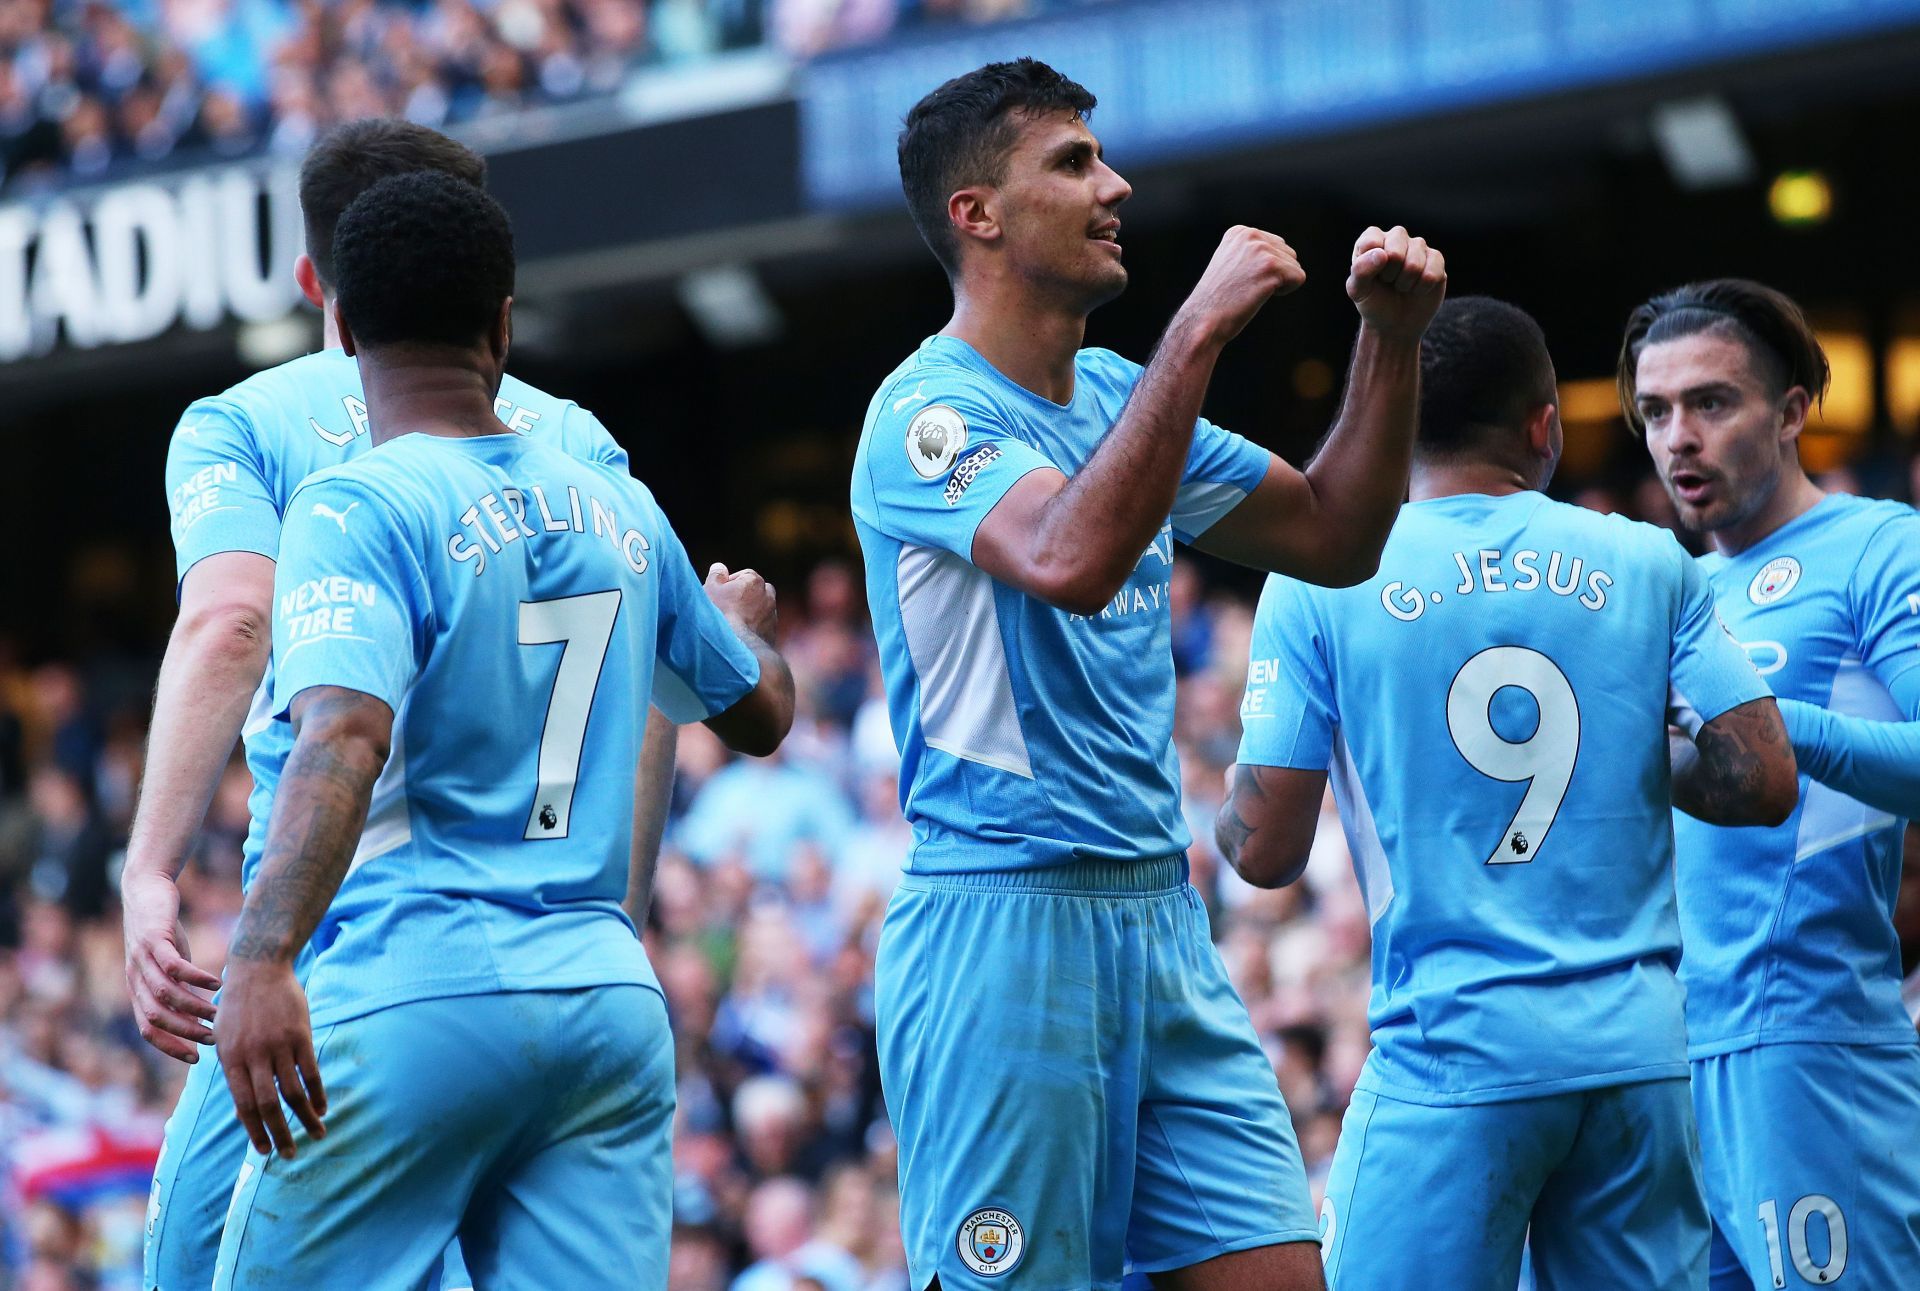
x=1231 y=828
x=1739 y=770
x=319 y=810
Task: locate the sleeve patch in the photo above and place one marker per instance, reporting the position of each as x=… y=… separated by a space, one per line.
x=935 y=437
x=969 y=471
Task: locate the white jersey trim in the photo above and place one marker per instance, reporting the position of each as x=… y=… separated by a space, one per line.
x=952 y=628
x=1363 y=836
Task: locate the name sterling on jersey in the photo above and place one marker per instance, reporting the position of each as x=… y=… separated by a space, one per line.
x=1487 y=571
x=497 y=520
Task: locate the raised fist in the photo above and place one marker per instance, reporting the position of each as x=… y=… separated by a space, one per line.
x=1397 y=281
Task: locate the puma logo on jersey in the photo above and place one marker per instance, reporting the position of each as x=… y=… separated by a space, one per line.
x=338 y=517
x=902 y=404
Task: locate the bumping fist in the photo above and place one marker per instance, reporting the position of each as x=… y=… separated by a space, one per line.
x=1397 y=282
x=1249 y=267
x=744 y=597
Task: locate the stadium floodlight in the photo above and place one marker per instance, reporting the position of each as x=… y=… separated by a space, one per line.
x=730 y=306
x=1702 y=144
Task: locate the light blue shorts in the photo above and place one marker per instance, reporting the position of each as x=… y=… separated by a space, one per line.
x=193 y=1182
x=1812 y=1165
x=535 y=1125
x=1608 y=1179
x=1075 y=1086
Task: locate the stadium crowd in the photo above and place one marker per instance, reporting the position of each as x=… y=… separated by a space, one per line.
x=765 y=914
x=86 y=85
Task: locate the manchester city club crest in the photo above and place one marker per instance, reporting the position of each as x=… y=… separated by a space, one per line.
x=991 y=1242
x=1775 y=579
x=935 y=437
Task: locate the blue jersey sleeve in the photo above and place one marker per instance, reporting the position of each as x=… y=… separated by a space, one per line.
x=1707 y=670
x=1885 y=592
x=938 y=459
x=351 y=606
x=219 y=488
x=700 y=667
x=1288 y=715
x=588 y=438
x=1222 y=468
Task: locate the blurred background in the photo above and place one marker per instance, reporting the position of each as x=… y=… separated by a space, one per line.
x=716 y=260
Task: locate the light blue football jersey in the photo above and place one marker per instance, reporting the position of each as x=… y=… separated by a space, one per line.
x=1029 y=736
x=1789 y=930
x=516 y=608
x=1491 y=707
x=237 y=457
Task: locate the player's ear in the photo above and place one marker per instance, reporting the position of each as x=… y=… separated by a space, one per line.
x=307 y=274
x=1543 y=432
x=500 y=338
x=345 y=332
x=1794 y=407
x=974 y=214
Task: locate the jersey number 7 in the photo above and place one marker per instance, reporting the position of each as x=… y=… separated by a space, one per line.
x=584 y=625
x=1544 y=759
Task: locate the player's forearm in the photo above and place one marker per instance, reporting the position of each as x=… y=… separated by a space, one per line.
x=213 y=665
x=1877 y=763
x=319 y=811
x=761 y=718
x=652 y=794
x=1739 y=769
x=1114 y=506
x=1359 y=476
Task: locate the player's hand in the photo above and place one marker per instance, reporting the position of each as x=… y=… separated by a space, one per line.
x=266 y=1050
x=1397 y=281
x=1249 y=267
x=746 y=598
x=171 y=1004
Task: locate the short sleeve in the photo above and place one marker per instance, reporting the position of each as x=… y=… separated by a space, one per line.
x=1222 y=468
x=350 y=604
x=937 y=459
x=701 y=667
x=1886 y=599
x=218 y=489
x=1708 y=673
x=595 y=442
x=1288 y=715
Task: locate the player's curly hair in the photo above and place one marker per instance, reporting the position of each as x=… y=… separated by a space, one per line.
x=960 y=134
x=422 y=258
x=349 y=159
x=1484 y=367
x=1775 y=332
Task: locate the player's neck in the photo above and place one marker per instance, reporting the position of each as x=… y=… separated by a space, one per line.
x=1794 y=497
x=406 y=396
x=1032 y=347
x=1444 y=479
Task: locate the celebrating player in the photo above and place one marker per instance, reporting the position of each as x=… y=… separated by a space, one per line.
x=234 y=462
x=1099 y=1097
x=494 y=612
x=1806 y=1073
x=1492 y=706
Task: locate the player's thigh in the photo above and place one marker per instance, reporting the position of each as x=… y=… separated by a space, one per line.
x=1439 y=1196
x=1007 y=1051
x=1625 y=1208
x=1824 y=1180
x=1217 y=1169
x=420 y=1098
x=587 y=1201
x=193 y=1181
x=1293 y=1266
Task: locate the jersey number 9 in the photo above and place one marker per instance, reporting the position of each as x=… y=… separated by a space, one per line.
x=1544 y=760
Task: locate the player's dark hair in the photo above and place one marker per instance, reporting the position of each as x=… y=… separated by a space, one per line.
x=1775 y=332
x=349 y=159
x=960 y=135
x=1484 y=367
x=422 y=258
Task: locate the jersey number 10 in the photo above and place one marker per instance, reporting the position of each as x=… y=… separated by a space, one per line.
x=1544 y=760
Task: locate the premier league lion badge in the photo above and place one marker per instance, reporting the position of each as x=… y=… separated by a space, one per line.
x=991 y=1242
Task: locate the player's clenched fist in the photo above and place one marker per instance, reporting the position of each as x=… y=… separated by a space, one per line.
x=746 y=598
x=1397 y=280
x=1248 y=268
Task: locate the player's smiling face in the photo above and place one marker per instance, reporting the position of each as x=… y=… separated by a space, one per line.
x=1058 y=204
x=1720 y=436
